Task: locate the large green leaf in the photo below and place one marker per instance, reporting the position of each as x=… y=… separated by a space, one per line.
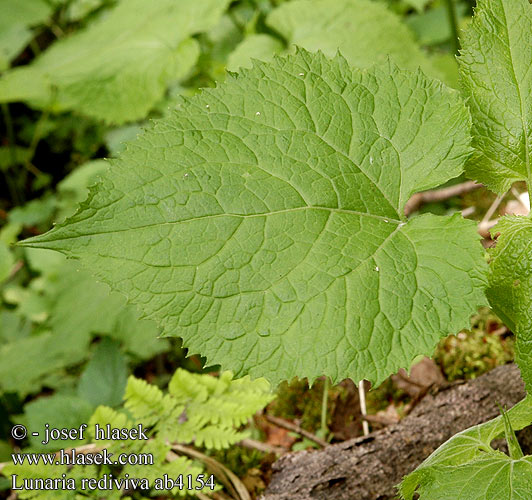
x=496 y=72
x=263 y=221
x=510 y=285
x=121 y=65
x=466 y=467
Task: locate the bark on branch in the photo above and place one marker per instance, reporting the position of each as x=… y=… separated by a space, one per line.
x=368 y=468
x=436 y=195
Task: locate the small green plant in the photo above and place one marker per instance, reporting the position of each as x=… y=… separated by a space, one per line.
x=197 y=409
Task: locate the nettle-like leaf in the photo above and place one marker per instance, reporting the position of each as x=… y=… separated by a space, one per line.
x=496 y=75
x=120 y=66
x=510 y=285
x=467 y=468
x=495 y=68
x=263 y=222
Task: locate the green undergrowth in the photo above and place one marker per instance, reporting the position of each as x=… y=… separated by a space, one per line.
x=297 y=401
x=471 y=353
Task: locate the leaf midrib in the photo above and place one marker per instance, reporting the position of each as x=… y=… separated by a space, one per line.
x=38 y=241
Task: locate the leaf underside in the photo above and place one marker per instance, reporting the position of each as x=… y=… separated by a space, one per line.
x=263 y=221
x=496 y=73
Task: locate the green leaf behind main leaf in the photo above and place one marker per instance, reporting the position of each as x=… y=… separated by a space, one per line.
x=510 y=285
x=365 y=32
x=495 y=66
x=263 y=223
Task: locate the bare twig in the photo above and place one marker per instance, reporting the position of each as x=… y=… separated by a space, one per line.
x=253 y=444
x=484 y=227
x=290 y=426
x=378 y=419
x=435 y=195
x=363 y=409
x=500 y=331
x=491 y=210
x=201 y=496
x=227 y=478
x=523 y=199
x=466 y=212
x=16 y=268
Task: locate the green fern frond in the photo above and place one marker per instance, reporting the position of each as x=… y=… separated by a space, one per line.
x=146 y=402
x=199 y=409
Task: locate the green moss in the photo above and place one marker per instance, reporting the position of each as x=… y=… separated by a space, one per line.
x=297 y=401
x=470 y=354
x=387 y=393
x=238 y=459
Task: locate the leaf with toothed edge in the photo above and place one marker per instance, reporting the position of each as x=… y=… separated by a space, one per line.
x=263 y=221
x=466 y=467
x=496 y=76
x=496 y=72
x=510 y=285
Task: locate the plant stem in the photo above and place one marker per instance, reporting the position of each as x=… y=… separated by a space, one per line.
x=324 y=401
x=12 y=186
x=290 y=426
x=37 y=134
x=453 y=22
x=363 y=409
x=35 y=47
